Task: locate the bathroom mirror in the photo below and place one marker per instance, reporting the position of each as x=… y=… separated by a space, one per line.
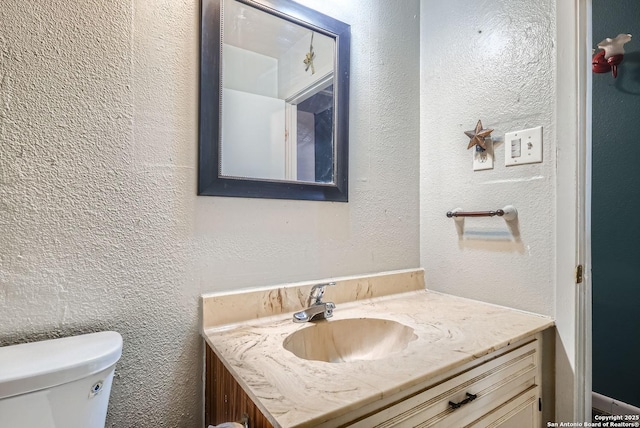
x=274 y=101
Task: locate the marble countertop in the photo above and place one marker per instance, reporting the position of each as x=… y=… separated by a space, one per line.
x=293 y=392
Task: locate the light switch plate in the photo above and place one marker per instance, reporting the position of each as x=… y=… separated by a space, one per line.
x=522 y=147
x=483 y=160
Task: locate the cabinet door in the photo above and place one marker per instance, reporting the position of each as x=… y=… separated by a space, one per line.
x=225 y=400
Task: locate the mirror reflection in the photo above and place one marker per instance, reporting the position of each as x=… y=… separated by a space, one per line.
x=277 y=102
x=274 y=101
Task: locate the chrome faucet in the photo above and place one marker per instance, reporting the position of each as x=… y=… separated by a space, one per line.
x=317 y=308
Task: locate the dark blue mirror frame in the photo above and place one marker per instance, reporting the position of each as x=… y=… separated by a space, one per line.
x=210 y=181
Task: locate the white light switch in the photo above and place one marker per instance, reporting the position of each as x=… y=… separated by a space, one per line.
x=523 y=146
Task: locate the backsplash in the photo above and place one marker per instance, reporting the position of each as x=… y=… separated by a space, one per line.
x=236 y=306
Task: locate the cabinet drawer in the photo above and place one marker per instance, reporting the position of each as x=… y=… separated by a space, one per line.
x=493 y=383
x=519 y=412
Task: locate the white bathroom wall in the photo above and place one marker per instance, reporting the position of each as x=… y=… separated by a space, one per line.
x=253 y=135
x=101 y=225
x=492 y=60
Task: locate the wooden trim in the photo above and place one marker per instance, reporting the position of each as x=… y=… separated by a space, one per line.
x=225 y=400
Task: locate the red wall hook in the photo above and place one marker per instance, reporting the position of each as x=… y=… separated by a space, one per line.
x=611 y=56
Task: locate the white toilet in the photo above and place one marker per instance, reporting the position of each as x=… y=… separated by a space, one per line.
x=58 y=383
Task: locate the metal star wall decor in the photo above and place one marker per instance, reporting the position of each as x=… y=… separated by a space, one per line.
x=477 y=136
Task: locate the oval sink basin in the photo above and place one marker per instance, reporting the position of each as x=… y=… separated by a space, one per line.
x=347 y=340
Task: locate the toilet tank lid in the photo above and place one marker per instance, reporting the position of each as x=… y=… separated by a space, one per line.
x=33 y=366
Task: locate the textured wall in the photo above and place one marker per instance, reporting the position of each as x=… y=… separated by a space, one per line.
x=101 y=226
x=491 y=60
x=614 y=244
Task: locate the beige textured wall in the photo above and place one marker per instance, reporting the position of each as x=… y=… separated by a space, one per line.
x=495 y=61
x=101 y=226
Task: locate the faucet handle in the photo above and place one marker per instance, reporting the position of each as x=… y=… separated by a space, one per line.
x=328 y=309
x=317 y=291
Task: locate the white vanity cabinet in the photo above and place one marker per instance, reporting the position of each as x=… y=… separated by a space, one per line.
x=500 y=389
x=496 y=363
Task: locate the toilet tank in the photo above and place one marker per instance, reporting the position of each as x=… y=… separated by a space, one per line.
x=58 y=383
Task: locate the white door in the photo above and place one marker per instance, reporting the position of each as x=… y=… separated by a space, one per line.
x=573 y=302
